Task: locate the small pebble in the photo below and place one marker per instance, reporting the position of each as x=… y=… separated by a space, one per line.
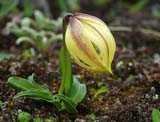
x=147 y=96
x=155 y=97
x=153 y=90
x=19 y=111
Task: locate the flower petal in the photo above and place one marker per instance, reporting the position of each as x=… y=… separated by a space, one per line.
x=80 y=46
x=103 y=29
x=90 y=42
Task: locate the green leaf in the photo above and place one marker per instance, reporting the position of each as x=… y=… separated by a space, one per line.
x=37 y=119
x=155 y=115
x=138 y=6
x=39 y=17
x=91 y=116
x=5 y=56
x=6 y=6
x=25 y=39
x=55 y=37
x=69 y=5
x=36 y=94
x=13 y=27
x=69 y=105
x=31 y=77
x=1 y=103
x=40 y=32
x=28 y=7
x=25 y=22
x=23 y=84
x=62 y=5
x=57 y=103
x=77 y=91
x=66 y=70
x=28 y=32
x=24 y=117
x=102 y=89
x=36 y=91
x=27 y=53
x=42 y=22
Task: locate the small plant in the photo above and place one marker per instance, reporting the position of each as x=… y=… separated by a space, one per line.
x=24 y=117
x=6 y=6
x=101 y=90
x=5 y=56
x=91 y=44
x=37 y=119
x=37 y=32
x=36 y=91
x=69 y=5
x=1 y=103
x=155 y=115
x=91 y=116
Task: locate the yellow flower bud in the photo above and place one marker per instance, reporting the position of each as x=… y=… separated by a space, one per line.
x=90 y=42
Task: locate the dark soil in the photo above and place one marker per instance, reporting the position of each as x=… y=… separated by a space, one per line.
x=133 y=90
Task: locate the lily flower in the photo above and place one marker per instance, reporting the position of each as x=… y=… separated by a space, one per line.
x=89 y=41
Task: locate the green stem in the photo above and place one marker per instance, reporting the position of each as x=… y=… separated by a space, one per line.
x=65 y=63
x=66 y=72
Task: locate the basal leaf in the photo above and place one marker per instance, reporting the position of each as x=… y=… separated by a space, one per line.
x=6 y=6
x=70 y=106
x=38 y=86
x=77 y=91
x=5 y=56
x=23 y=84
x=36 y=94
x=25 y=39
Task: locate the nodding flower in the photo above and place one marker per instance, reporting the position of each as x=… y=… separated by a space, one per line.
x=89 y=41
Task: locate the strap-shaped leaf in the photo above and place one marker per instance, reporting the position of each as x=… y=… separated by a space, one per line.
x=23 y=84
x=25 y=39
x=36 y=94
x=5 y=56
x=70 y=106
x=6 y=6
x=77 y=91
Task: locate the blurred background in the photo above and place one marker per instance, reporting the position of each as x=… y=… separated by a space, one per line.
x=105 y=9
x=125 y=18
x=129 y=17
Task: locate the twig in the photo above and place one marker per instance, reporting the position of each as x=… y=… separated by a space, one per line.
x=120 y=28
x=129 y=29
x=150 y=32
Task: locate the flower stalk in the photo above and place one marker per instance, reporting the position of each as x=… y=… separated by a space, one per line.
x=65 y=63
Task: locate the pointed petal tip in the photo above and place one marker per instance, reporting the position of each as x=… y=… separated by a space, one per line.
x=109 y=71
